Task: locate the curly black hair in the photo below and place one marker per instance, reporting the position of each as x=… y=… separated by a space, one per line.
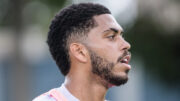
x=71 y=24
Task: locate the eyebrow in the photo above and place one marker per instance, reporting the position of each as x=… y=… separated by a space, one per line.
x=114 y=30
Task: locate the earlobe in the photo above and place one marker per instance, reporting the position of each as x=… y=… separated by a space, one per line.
x=78 y=51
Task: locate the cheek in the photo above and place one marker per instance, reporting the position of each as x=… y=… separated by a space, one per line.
x=105 y=49
x=112 y=49
x=110 y=52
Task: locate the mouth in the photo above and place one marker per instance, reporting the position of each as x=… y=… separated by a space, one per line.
x=126 y=59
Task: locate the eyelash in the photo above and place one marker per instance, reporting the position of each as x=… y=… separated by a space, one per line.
x=112 y=37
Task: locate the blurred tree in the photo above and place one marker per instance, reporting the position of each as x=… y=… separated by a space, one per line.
x=54 y=3
x=7 y=8
x=11 y=17
x=160 y=51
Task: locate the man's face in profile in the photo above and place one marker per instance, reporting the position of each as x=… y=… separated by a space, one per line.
x=108 y=50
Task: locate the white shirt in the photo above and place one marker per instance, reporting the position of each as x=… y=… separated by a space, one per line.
x=63 y=90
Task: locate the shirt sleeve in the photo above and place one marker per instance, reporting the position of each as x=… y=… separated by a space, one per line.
x=44 y=98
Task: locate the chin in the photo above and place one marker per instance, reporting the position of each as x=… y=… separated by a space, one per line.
x=112 y=79
x=118 y=80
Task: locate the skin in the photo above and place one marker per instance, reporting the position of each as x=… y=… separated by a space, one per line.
x=106 y=41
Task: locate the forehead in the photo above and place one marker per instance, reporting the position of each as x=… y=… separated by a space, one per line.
x=106 y=21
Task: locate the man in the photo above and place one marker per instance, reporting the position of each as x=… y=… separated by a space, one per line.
x=87 y=44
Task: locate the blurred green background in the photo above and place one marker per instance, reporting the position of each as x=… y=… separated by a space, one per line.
x=152 y=28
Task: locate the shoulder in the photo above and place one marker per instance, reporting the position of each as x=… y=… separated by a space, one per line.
x=44 y=97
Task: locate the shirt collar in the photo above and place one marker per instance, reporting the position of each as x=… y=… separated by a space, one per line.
x=67 y=94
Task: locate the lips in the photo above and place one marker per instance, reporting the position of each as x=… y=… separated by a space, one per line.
x=126 y=59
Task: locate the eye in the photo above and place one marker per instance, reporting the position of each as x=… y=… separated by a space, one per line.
x=111 y=37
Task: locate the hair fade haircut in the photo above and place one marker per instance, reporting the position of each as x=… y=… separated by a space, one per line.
x=70 y=24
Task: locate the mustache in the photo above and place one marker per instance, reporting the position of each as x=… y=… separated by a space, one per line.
x=123 y=55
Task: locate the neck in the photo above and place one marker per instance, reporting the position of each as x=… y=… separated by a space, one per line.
x=86 y=87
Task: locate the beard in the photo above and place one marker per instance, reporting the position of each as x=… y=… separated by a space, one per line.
x=103 y=68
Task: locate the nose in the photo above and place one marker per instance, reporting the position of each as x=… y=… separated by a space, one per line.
x=125 y=45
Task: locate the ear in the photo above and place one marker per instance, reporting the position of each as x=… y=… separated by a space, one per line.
x=78 y=51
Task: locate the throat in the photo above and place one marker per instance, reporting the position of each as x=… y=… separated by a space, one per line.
x=87 y=90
